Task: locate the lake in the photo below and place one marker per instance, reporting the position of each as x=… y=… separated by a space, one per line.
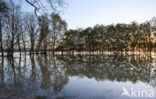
x=78 y=77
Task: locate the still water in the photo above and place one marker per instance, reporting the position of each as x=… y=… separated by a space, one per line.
x=77 y=77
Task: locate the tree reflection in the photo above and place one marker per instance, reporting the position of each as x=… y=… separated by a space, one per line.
x=2 y=72
x=59 y=77
x=113 y=68
x=45 y=70
x=51 y=73
x=12 y=64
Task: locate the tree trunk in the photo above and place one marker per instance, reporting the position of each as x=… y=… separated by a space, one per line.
x=1 y=40
x=19 y=46
x=32 y=47
x=45 y=48
x=24 y=47
x=53 y=49
x=11 y=50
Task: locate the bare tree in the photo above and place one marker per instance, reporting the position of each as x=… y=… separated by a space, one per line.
x=19 y=26
x=44 y=6
x=3 y=15
x=24 y=38
x=12 y=28
x=31 y=26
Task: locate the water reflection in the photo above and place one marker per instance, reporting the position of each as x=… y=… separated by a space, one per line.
x=41 y=76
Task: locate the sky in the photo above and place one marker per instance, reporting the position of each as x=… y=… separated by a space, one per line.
x=87 y=13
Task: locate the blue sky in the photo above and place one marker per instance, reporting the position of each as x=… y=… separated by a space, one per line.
x=85 y=13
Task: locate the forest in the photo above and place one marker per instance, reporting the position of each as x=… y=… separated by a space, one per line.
x=36 y=34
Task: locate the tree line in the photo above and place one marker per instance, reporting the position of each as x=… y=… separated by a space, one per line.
x=116 y=38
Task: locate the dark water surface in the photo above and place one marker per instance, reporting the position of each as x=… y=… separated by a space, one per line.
x=77 y=77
